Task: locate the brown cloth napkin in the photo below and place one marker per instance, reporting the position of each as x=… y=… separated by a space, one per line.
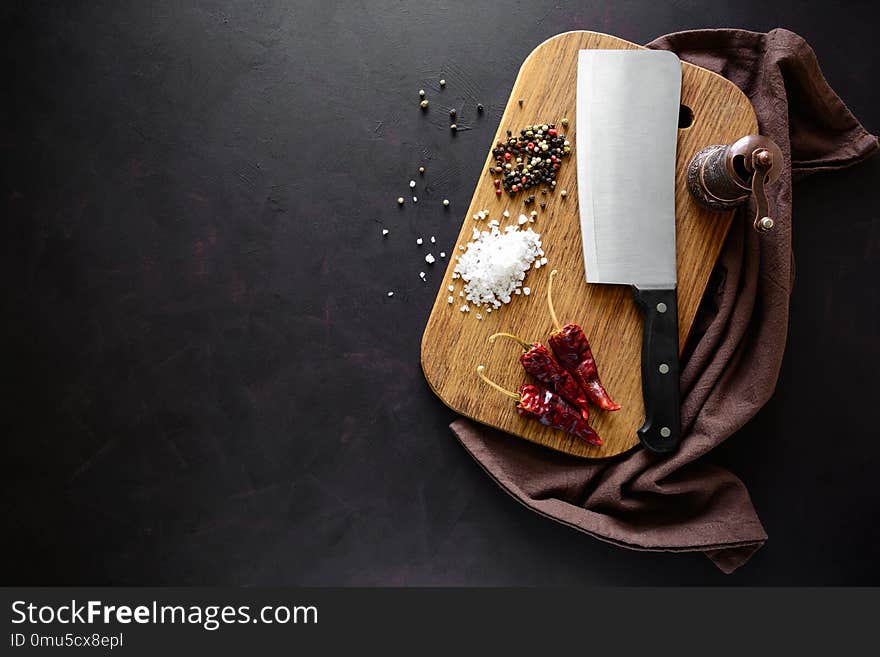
x=678 y=503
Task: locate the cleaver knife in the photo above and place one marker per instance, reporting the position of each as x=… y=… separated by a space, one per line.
x=627 y=128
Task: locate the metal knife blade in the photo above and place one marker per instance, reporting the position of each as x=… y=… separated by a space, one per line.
x=627 y=121
x=627 y=129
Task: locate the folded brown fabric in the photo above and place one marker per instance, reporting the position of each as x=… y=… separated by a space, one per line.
x=676 y=503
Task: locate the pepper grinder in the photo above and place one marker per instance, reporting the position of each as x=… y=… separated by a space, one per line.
x=722 y=176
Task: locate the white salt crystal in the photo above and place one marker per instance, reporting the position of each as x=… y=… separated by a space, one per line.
x=451 y=288
x=422 y=275
x=415 y=199
x=412 y=183
x=479 y=316
x=384 y=232
x=495 y=262
x=419 y=241
x=391 y=294
x=443 y=254
x=429 y=259
x=465 y=309
x=527 y=291
x=506 y=214
x=522 y=219
x=433 y=240
x=450 y=299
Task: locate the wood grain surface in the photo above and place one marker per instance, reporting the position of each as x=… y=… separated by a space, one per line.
x=454 y=343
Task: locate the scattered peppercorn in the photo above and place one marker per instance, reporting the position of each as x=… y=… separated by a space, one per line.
x=422 y=170
x=480 y=107
x=453 y=127
x=520 y=101
x=452 y=113
x=563 y=193
x=421 y=93
x=543 y=204
x=424 y=104
x=564 y=123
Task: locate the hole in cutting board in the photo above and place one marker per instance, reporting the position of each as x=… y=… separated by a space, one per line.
x=685 y=117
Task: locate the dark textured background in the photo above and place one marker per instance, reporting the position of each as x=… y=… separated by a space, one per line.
x=205 y=382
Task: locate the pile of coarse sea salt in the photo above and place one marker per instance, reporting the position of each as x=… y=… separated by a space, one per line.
x=495 y=263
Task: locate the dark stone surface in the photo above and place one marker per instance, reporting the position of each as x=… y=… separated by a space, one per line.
x=205 y=380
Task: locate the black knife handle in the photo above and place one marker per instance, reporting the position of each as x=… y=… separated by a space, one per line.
x=661 y=431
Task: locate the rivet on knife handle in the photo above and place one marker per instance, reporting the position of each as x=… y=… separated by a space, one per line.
x=661 y=430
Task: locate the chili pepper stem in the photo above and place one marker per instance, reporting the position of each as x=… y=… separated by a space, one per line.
x=522 y=343
x=481 y=369
x=550 y=299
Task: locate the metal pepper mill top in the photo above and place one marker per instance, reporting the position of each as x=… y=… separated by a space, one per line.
x=723 y=176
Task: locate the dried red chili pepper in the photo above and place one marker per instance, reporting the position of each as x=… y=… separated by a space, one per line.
x=572 y=349
x=548 y=408
x=539 y=362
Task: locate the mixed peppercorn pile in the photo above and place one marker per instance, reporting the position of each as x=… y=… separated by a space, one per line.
x=530 y=159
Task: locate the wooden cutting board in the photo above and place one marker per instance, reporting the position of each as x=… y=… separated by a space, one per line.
x=454 y=343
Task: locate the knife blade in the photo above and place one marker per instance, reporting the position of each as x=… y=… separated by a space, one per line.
x=627 y=119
